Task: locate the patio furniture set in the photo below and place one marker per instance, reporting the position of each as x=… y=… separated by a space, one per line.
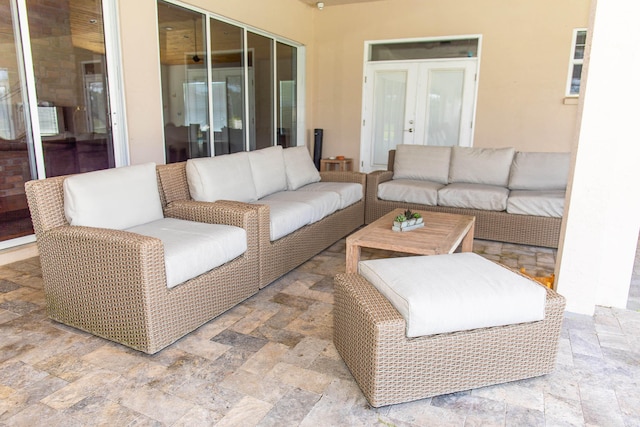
x=143 y=255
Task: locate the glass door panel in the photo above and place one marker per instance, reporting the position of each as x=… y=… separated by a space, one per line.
x=444 y=107
x=261 y=90
x=67 y=47
x=387 y=125
x=286 y=66
x=227 y=76
x=15 y=147
x=185 y=93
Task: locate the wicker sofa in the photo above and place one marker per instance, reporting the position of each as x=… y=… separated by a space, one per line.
x=537 y=179
x=114 y=282
x=278 y=254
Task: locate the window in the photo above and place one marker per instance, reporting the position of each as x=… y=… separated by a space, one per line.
x=575 y=64
x=225 y=88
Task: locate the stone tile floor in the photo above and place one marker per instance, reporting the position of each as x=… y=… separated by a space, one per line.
x=270 y=362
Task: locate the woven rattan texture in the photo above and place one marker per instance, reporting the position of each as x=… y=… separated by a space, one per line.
x=283 y=255
x=112 y=283
x=391 y=368
x=490 y=225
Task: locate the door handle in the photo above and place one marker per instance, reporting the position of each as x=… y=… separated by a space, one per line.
x=409 y=130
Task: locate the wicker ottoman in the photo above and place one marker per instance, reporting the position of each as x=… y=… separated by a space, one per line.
x=370 y=335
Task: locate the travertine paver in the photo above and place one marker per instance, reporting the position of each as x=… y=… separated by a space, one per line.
x=270 y=362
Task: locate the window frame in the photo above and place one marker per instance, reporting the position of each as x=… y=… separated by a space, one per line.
x=300 y=72
x=573 y=62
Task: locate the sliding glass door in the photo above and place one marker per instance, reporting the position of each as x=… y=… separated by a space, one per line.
x=225 y=89
x=54 y=99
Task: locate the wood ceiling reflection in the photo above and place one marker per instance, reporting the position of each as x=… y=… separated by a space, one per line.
x=86 y=23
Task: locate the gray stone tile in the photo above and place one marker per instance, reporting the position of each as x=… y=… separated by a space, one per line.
x=270 y=361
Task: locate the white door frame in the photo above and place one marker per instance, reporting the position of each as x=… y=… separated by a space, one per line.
x=368 y=92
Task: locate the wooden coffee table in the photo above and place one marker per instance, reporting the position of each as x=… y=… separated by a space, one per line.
x=442 y=234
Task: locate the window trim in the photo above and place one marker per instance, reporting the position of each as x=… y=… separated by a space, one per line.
x=573 y=62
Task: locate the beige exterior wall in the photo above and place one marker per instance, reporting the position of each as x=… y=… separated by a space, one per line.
x=523 y=65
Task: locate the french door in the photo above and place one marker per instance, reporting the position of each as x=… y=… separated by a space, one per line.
x=427 y=102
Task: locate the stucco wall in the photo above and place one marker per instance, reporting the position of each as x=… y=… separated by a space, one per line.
x=523 y=64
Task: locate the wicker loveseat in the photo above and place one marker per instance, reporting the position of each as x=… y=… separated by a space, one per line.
x=277 y=254
x=524 y=214
x=113 y=282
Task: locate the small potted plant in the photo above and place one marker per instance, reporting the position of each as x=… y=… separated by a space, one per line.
x=400 y=221
x=417 y=217
x=413 y=217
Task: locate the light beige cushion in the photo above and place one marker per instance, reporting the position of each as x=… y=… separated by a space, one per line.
x=456 y=292
x=474 y=196
x=488 y=166
x=349 y=192
x=267 y=168
x=540 y=171
x=538 y=203
x=323 y=203
x=226 y=177
x=192 y=248
x=410 y=191
x=422 y=162
x=285 y=217
x=113 y=198
x=299 y=167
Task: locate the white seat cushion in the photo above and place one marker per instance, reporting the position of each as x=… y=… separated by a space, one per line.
x=455 y=292
x=226 y=177
x=410 y=191
x=422 y=162
x=267 y=168
x=285 y=217
x=473 y=196
x=349 y=192
x=299 y=167
x=323 y=203
x=538 y=203
x=539 y=171
x=489 y=166
x=113 y=198
x=193 y=248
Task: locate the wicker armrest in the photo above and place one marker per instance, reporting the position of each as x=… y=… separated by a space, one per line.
x=239 y=215
x=96 y=262
x=378 y=177
x=343 y=176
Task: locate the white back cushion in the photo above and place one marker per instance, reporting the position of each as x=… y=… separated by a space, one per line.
x=226 y=177
x=267 y=168
x=113 y=198
x=489 y=166
x=423 y=162
x=299 y=167
x=540 y=171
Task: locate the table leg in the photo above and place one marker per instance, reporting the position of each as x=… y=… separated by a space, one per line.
x=352 y=256
x=467 y=241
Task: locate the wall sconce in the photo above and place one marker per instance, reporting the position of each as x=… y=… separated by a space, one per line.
x=320 y=5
